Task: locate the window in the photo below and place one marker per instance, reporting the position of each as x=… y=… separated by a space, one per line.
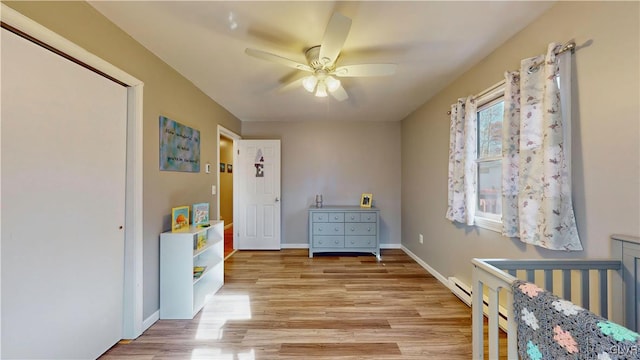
x=489 y=161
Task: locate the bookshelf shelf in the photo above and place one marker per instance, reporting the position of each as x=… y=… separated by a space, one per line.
x=182 y=294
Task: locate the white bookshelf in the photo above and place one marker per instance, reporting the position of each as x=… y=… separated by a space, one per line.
x=182 y=295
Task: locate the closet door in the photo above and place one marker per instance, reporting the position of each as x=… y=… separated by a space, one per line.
x=63 y=184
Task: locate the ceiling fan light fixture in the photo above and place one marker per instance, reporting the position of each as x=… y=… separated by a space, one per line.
x=322 y=90
x=332 y=83
x=309 y=83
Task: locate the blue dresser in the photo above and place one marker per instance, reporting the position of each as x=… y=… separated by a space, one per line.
x=344 y=229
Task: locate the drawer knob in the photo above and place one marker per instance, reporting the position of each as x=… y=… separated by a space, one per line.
x=320 y=229
x=336 y=229
x=335 y=217
x=336 y=242
x=369 y=229
x=353 y=229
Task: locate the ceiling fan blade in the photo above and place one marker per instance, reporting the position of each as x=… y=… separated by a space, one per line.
x=291 y=85
x=292 y=81
x=334 y=38
x=365 y=70
x=339 y=94
x=277 y=59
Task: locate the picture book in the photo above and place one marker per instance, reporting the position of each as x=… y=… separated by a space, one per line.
x=198 y=270
x=179 y=218
x=200 y=214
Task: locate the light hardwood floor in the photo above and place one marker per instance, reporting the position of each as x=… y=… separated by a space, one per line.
x=283 y=305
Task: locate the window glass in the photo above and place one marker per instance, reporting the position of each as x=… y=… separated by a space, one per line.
x=490 y=130
x=489 y=161
x=489 y=187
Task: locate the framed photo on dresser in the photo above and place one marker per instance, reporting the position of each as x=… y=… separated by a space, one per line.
x=366 y=200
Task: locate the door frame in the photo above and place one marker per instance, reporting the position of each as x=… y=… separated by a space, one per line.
x=132 y=322
x=221 y=130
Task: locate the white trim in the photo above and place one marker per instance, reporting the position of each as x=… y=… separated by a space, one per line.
x=228 y=226
x=230 y=254
x=294 y=246
x=489 y=224
x=491 y=92
x=426 y=266
x=133 y=294
x=221 y=130
x=306 y=246
x=390 y=246
x=150 y=320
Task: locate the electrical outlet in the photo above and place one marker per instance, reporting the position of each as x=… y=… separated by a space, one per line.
x=421 y=239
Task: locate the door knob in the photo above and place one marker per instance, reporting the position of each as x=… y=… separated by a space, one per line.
x=277 y=199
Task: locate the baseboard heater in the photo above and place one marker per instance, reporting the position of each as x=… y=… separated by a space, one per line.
x=464 y=292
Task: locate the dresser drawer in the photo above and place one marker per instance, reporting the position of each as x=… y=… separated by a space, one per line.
x=328 y=229
x=328 y=241
x=352 y=217
x=368 y=217
x=360 y=229
x=320 y=217
x=337 y=229
x=336 y=217
x=360 y=241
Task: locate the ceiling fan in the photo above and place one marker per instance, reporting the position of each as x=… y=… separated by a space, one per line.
x=322 y=62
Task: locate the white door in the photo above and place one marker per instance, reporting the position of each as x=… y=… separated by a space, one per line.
x=257 y=187
x=63 y=202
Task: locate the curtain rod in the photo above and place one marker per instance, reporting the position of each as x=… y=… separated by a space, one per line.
x=569 y=46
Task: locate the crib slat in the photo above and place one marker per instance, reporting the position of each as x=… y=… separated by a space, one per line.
x=493 y=315
x=604 y=294
x=585 y=289
x=548 y=280
x=531 y=275
x=512 y=329
x=478 y=317
x=566 y=284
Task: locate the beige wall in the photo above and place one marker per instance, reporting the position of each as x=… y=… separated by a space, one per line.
x=340 y=160
x=226 y=181
x=165 y=93
x=606 y=152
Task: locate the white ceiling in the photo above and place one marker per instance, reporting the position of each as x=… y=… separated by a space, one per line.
x=432 y=42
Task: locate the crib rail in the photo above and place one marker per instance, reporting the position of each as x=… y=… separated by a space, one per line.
x=496 y=275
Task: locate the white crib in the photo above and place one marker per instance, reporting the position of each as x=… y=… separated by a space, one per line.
x=616 y=291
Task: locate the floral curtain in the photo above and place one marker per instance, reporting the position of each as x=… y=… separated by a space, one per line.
x=537 y=204
x=511 y=155
x=462 y=165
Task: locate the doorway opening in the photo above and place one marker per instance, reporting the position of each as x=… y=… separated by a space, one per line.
x=225 y=199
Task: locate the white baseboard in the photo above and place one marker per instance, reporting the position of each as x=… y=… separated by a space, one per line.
x=150 y=320
x=390 y=246
x=426 y=266
x=228 y=226
x=450 y=284
x=306 y=246
x=294 y=246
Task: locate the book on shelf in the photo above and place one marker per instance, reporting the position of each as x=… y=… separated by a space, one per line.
x=200 y=240
x=200 y=214
x=179 y=218
x=198 y=270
